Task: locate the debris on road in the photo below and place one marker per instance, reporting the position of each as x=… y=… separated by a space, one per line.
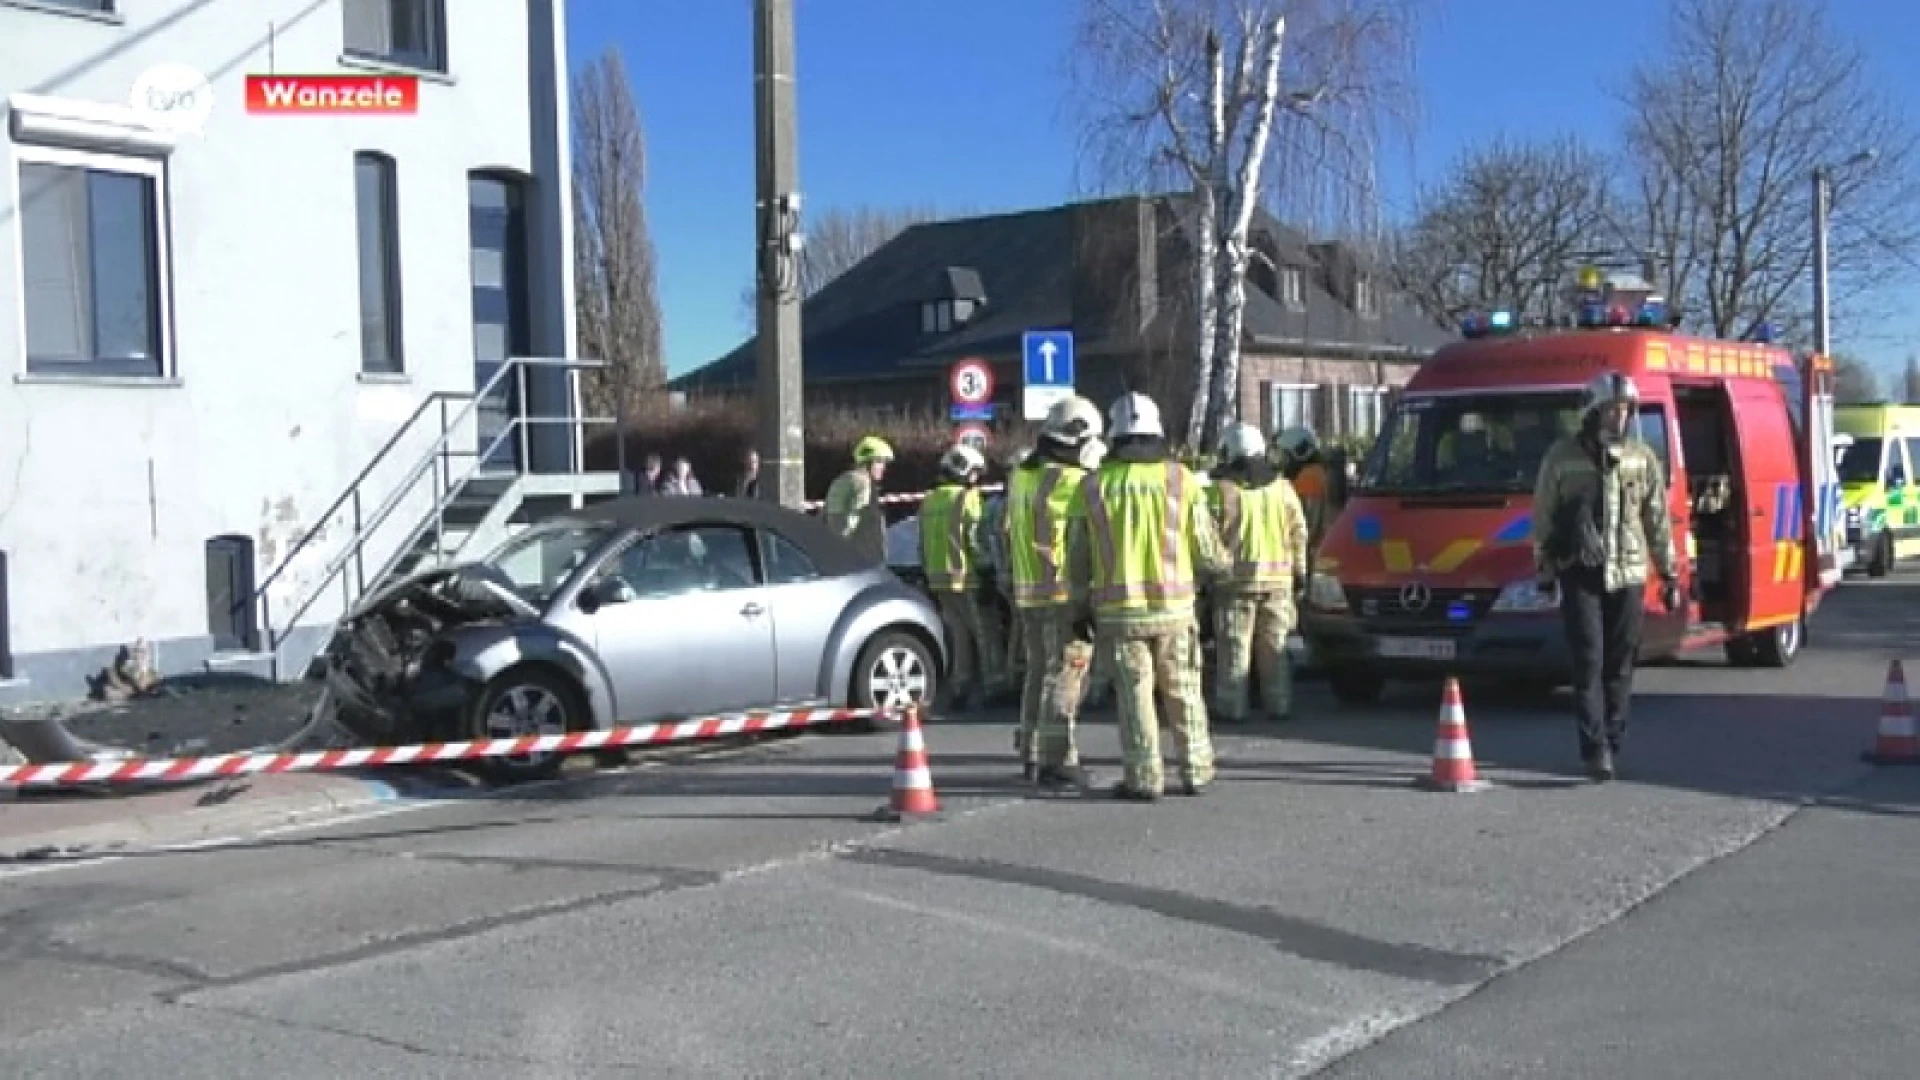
x=180 y=717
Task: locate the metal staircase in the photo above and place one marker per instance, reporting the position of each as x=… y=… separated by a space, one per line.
x=464 y=493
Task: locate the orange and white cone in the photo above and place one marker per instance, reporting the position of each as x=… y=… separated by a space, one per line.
x=913 y=794
x=1453 y=768
x=1897 y=743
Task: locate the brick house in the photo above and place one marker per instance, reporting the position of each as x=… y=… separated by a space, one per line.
x=1325 y=340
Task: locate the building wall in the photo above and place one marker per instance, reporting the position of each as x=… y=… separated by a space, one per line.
x=111 y=488
x=1330 y=384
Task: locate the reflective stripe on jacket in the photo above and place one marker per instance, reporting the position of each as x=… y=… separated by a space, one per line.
x=1264 y=531
x=1040 y=502
x=950 y=537
x=1139 y=526
x=1634 y=521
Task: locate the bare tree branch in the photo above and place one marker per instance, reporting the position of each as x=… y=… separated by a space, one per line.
x=1726 y=131
x=1507 y=229
x=616 y=282
x=1191 y=96
x=838 y=240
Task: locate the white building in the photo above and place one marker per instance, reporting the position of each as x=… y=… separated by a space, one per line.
x=204 y=339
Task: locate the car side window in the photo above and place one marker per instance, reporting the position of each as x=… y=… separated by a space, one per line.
x=1897 y=462
x=688 y=559
x=1912 y=443
x=1653 y=431
x=786 y=564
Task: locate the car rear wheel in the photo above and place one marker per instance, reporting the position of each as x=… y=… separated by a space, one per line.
x=521 y=702
x=1777 y=647
x=1882 y=562
x=895 y=672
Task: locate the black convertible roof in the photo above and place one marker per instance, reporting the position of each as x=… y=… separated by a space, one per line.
x=830 y=554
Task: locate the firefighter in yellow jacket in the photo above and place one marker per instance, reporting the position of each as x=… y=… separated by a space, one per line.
x=1264 y=531
x=1040 y=495
x=953 y=549
x=853 y=501
x=1138 y=543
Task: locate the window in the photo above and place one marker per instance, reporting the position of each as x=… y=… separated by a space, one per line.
x=1860 y=463
x=699 y=558
x=1913 y=450
x=1365 y=407
x=6 y=620
x=538 y=562
x=1652 y=430
x=1897 y=475
x=1290 y=405
x=1365 y=300
x=936 y=316
x=1293 y=288
x=95 y=257
x=786 y=564
x=412 y=33
x=1480 y=443
x=378 y=207
x=230 y=608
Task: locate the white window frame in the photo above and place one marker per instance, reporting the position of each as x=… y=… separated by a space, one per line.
x=1293 y=288
x=154 y=169
x=1376 y=396
x=1366 y=298
x=434 y=61
x=1276 y=398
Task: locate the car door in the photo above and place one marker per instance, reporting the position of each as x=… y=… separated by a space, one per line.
x=805 y=607
x=683 y=626
x=1903 y=497
x=1775 y=571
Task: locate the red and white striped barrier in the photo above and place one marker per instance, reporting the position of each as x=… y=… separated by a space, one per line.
x=247 y=763
x=902 y=498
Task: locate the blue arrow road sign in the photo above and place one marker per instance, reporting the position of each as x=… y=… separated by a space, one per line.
x=1049 y=357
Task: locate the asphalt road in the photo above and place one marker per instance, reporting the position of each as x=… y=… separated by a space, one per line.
x=1739 y=904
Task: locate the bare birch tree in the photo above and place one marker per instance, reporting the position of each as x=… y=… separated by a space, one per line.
x=839 y=239
x=616 y=278
x=1506 y=229
x=1727 y=128
x=1199 y=94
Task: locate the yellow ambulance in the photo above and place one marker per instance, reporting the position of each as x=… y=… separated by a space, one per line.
x=1877 y=483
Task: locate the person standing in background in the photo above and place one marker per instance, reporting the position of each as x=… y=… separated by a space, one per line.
x=748 y=486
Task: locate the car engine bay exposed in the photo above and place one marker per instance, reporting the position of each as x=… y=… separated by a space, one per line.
x=378 y=655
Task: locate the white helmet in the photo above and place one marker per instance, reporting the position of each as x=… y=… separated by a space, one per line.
x=1295 y=442
x=1135 y=414
x=1241 y=441
x=1610 y=388
x=1092 y=453
x=963 y=461
x=1071 y=421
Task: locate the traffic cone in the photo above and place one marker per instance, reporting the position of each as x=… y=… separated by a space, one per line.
x=1453 y=768
x=1897 y=742
x=913 y=795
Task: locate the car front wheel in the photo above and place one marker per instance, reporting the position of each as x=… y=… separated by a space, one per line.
x=895 y=673
x=521 y=702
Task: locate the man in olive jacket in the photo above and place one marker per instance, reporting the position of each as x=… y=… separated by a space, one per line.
x=1600 y=517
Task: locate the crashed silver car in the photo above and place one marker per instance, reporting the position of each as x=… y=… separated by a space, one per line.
x=631 y=612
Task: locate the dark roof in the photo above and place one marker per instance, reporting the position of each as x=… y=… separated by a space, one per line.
x=830 y=554
x=866 y=323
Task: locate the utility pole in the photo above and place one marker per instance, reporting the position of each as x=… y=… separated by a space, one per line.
x=778 y=239
x=1822 y=195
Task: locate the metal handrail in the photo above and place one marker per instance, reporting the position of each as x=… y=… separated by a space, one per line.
x=435 y=454
x=517 y=426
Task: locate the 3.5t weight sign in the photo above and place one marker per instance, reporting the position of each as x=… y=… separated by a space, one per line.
x=971 y=382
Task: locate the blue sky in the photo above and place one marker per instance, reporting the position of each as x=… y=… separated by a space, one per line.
x=915 y=102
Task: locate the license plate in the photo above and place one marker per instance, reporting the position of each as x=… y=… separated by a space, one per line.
x=1416 y=648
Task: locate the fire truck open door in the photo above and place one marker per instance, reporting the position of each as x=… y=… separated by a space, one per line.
x=1829 y=555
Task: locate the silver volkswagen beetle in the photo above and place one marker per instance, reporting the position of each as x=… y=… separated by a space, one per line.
x=630 y=612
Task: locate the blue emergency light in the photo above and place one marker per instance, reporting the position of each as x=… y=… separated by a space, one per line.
x=1764 y=334
x=1653 y=312
x=1477 y=325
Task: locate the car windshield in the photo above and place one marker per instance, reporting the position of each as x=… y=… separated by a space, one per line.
x=1488 y=442
x=1860 y=463
x=537 y=562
